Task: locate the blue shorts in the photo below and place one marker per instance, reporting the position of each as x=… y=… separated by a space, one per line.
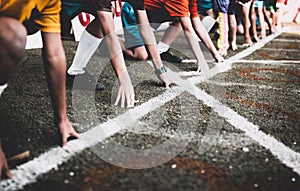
x=258 y=4
x=203 y=6
x=132 y=35
x=71 y=8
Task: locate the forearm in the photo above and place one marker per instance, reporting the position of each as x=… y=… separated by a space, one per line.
x=148 y=37
x=190 y=35
x=56 y=77
x=55 y=68
x=203 y=35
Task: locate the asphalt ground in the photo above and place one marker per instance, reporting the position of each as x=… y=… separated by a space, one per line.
x=235 y=127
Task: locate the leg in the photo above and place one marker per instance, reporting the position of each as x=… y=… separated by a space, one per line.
x=267 y=19
x=222 y=43
x=133 y=45
x=253 y=21
x=233 y=31
x=246 y=22
x=171 y=34
x=261 y=21
x=12 y=46
x=88 y=44
x=169 y=37
x=280 y=7
x=12 y=49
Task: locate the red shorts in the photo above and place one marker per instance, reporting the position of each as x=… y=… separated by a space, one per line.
x=175 y=8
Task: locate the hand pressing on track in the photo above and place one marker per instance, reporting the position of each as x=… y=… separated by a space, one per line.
x=218 y=57
x=165 y=75
x=67 y=131
x=125 y=92
x=3 y=165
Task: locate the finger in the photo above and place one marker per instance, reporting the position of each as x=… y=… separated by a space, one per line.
x=167 y=85
x=123 y=99
x=75 y=134
x=7 y=171
x=118 y=98
x=64 y=141
x=9 y=174
x=130 y=100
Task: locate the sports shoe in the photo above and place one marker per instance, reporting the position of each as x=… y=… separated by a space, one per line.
x=169 y=57
x=83 y=81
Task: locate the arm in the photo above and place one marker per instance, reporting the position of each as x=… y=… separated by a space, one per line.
x=55 y=67
x=126 y=89
x=3 y=164
x=150 y=42
x=189 y=33
x=203 y=35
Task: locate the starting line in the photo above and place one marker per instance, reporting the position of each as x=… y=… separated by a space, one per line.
x=29 y=172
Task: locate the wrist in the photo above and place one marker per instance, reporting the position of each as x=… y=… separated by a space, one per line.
x=58 y=120
x=160 y=70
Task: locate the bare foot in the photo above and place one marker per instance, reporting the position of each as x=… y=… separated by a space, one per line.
x=263 y=34
x=255 y=39
x=233 y=46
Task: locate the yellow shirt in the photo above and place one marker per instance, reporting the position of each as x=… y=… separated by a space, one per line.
x=44 y=13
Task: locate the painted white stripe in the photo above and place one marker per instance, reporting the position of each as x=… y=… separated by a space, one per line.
x=2 y=88
x=281 y=49
x=28 y=172
x=296 y=91
x=286 y=155
x=286 y=40
x=189 y=61
x=279 y=62
x=226 y=65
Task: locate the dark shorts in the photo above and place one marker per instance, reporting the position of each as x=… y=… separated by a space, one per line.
x=156 y=17
x=137 y=4
x=227 y=6
x=71 y=8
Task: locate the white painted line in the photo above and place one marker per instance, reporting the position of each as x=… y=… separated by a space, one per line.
x=2 y=88
x=281 y=49
x=286 y=155
x=286 y=40
x=226 y=65
x=27 y=173
x=296 y=91
x=189 y=61
x=278 y=62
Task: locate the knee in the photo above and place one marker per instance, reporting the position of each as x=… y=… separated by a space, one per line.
x=142 y=56
x=140 y=53
x=12 y=37
x=12 y=46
